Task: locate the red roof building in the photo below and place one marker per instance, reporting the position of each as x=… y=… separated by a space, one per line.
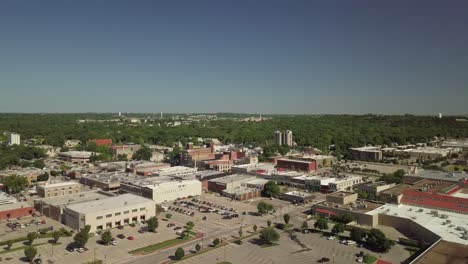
x=436 y=201
x=102 y=142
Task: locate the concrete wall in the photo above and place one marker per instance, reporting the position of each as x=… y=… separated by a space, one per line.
x=408 y=227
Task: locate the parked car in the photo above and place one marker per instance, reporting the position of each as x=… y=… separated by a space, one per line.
x=121 y=236
x=332 y=238
x=113 y=242
x=130 y=238
x=177 y=228
x=360 y=259
x=323 y=260
x=70 y=249
x=350 y=242
x=80 y=250
x=170 y=225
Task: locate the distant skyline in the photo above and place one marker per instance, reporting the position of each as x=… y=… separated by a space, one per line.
x=265 y=56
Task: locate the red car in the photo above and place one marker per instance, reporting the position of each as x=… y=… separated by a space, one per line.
x=130 y=238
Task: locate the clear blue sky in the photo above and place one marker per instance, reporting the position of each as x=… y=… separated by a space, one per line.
x=256 y=56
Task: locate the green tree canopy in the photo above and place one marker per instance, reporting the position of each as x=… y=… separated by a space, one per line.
x=269 y=235
x=14 y=184
x=30 y=253
x=338 y=228
x=271 y=189
x=106 y=237
x=321 y=224
x=179 y=253
x=152 y=224
x=143 y=154
x=264 y=208
x=82 y=237
x=286 y=218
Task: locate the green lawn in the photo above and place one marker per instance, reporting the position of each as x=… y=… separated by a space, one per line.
x=23 y=247
x=164 y=244
x=369 y=259
x=269 y=245
x=452 y=167
x=225 y=262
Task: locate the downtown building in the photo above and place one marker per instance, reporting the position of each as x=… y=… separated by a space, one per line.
x=283 y=137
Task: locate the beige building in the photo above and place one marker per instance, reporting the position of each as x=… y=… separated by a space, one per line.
x=342 y=197
x=110 y=212
x=75 y=156
x=345 y=183
x=58 y=188
x=375 y=188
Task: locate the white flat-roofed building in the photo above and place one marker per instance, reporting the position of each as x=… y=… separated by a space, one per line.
x=76 y=156
x=58 y=188
x=163 y=189
x=110 y=212
x=175 y=171
x=345 y=183
x=318 y=183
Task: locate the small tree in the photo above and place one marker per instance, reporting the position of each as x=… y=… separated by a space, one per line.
x=179 y=253
x=269 y=223
x=31 y=237
x=30 y=253
x=271 y=189
x=286 y=218
x=168 y=216
x=240 y=231
x=189 y=226
x=357 y=234
x=197 y=247
x=81 y=238
x=269 y=235
x=321 y=224
x=9 y=244
x=338 y=228
x=152 y=224
x=305 y=226
x=347 y=218
x=216 y=242
x=56 y=236
x=264 y=208
x=255 y=228
x=106 y=237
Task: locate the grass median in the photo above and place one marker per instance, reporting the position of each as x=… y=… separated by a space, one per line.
x=161 y=245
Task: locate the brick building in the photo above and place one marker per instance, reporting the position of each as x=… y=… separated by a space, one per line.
x=297 y=165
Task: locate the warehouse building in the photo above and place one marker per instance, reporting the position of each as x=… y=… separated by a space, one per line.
x=109 y=213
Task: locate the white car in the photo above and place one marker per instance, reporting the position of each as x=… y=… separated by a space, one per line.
x=350 y=242
x=360 y=259
x=331 y=238
x=80 y=250
x=113 y=242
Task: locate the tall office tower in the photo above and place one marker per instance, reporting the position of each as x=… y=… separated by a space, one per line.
x=287 y=138
x=277 y=137
x=13 y=139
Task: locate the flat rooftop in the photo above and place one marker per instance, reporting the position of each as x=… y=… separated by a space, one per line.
x=76 y=154
x=12 y=206
x=432 y=186
x=120 y=201
x=296 y=161
x=397 y=190
x=57 y=184
x=440 y=175
x=447 y=230
x=233 y=178
x=75 y=198
x=299 y=194
x=359 y=206
x=445 y=252
x=341 y=194
x=239 y=190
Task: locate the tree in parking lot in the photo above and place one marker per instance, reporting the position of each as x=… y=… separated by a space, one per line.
x=179 y=254
x=30 y=252
x=82 y=237
x=31 y=237
x=269 y=235
x=168 y=216
x=268 y=223
x=286 y=218
x=106 y=237
x=197 y=247
x=264 y=208
x=357 y=234
x=56 y=236
x=255 y=228
x=9 y=244
x=321 y=224
x=305 y=226
x=14 y=183
x=338 y=228
x=216 y=242
x=152 y=224
x=347 y=218
x=240 y=231
x=189 y=226
x=377 y=240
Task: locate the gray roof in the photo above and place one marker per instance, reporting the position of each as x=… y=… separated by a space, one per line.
x=121 y=201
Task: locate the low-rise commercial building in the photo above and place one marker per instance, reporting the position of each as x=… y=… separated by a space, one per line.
x=296 y=165
x=14 y=210
x=370 y=153
x=109 y=213
x=258 y=168
x=29 y=173
x=161 y=189
x=175 y=171
x=297 y=197
x=75 y=156
x=342 y=197
x=58 y=188
x=345 y=183
x=229 y=182
x=125 y=150
x=374 y=188
x=109 y=181
x=242 y=193
x=53 y=207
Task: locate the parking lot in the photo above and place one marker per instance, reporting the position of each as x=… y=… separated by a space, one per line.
x=21 y=227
